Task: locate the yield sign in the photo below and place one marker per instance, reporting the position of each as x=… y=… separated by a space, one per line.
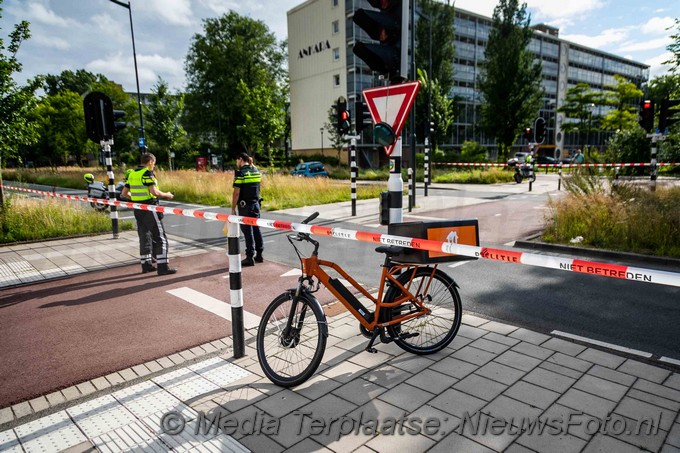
x=391 y=105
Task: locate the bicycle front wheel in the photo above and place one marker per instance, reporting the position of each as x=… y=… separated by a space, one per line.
x=429 y=333
x=291 y=339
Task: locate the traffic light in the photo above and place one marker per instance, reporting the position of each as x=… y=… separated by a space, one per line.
x=117 y=115
x=667 y=113
x=527 y=134
x=647 y=115
x=363 y=117
x=389 y=26
x=539 y=130
x=98 y=110
x=344 y=120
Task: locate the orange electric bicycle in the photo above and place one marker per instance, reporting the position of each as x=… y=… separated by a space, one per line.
x=417 y=307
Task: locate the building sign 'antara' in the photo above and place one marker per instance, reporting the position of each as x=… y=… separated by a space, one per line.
x=311 y=50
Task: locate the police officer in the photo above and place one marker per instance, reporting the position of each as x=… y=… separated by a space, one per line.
x=141 y=187
x=247 y=197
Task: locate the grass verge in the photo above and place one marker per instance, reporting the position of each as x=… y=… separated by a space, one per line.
x=32 y=219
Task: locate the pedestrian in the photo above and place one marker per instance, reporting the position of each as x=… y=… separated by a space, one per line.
x=578 y=157
x=246 y=197
x=142 y=187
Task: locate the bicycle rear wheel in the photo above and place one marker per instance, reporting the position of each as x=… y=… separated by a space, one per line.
x=433 y=332
x=291 y=339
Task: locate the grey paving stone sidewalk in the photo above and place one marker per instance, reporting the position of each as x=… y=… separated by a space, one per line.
x=495 y=388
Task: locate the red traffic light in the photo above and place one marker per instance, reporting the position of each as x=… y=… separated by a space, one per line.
x=647 y=105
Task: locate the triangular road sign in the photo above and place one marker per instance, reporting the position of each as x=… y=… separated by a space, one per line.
x=391 y=105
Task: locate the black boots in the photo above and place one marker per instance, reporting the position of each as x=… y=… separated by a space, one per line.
x=148 y=267
x=247 y=261
x=164 y=269
x=258 y=258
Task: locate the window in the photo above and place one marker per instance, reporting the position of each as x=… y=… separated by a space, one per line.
x=334 y=3
x=336 y=27
x=336 y=80
x=336 y=54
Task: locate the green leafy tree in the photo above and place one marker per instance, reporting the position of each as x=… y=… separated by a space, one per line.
x=630 y=145
x=623 y=96
x=62 y=129
x=674 y=49
x=438 y=18
x=163 y=119
x=510 y=80
x=336 y=140
x=579 y=104
x=264 y=118
x=443 y=109
x=231 y=49
x=16 y=102
x=79 y=81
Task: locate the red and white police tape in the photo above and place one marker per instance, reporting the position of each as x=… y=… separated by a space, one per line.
x=509 y=256
x=623 y=164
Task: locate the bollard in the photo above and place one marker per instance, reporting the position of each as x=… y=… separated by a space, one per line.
x=106 y=145
x=235 y=289
x=559 y=176
x=410 y=188
x=353 y=174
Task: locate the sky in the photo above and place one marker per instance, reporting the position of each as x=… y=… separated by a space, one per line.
x=95 y=34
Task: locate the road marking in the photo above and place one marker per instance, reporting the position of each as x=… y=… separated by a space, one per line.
x=292 y=272
x=214 y=306
x=497 y=215
x=459 y=263
x=615 y=347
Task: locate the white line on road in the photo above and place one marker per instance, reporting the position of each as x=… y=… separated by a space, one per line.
x=214 y=306
x=615 y=347
x=459 y=263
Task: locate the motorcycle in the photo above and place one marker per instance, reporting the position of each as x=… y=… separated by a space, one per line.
x=524 y=171
x=97 y=189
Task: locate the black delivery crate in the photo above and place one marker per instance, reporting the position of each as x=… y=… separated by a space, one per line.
x=459 y=231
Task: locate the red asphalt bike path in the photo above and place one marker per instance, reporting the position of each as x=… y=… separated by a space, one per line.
x=62 y=332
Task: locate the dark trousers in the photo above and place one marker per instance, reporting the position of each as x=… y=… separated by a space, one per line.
x=252 y=234
x=152 y=240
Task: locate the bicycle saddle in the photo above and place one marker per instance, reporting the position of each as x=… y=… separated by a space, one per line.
x=391 y=250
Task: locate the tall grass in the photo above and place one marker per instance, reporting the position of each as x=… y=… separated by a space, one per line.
x=32 y=219
x=626 y=218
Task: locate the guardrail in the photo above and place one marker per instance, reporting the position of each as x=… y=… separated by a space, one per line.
x=509 y=256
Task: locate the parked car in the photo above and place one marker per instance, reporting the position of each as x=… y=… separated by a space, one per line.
x=546 y=160
x=310 y=169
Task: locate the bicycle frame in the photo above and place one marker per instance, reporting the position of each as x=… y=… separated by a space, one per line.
x=370 y=320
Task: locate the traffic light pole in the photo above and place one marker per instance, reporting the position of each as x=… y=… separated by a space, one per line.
x=106 y=146
x=353 y=173
x=395 y=186
x=654 y=167
x=426 y=178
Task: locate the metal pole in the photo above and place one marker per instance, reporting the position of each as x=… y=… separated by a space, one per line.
x=426 y=178
x=235 y=289
x=142 y=143
x=654 y=167
x=395 y=185
x=106 y=145
x=412 y=196
x=353 y=173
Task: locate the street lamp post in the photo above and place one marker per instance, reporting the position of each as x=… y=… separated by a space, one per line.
x=142 y=138
x=321 y=130
x=591 y=107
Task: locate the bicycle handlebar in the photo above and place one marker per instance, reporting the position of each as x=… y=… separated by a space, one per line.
x=311 y=217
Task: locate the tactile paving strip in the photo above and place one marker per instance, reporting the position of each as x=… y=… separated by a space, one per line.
x=55 y=432
x=193 y=388
x=219 y=371
x=132 y=437
x=101 y=415
x=9 y=442
x=175 y=377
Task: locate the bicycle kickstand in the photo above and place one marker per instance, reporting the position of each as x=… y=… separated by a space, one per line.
x=376 y=334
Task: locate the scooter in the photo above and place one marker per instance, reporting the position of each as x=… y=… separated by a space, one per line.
x=524 y=171
x=97 y=189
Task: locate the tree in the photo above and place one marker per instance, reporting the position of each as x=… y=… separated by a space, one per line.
x=623 y=96
x=337 y=140
x=16 y=102
x=442 y=109
x=163 y=118
x=231 y=49
x=438 y=17
x=264 y=118
x=674 y=49
x=61 y=127
x=579 y=104
x=79 y=82
x=510 y=80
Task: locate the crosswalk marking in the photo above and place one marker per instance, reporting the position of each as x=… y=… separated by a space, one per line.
x=215 y=306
